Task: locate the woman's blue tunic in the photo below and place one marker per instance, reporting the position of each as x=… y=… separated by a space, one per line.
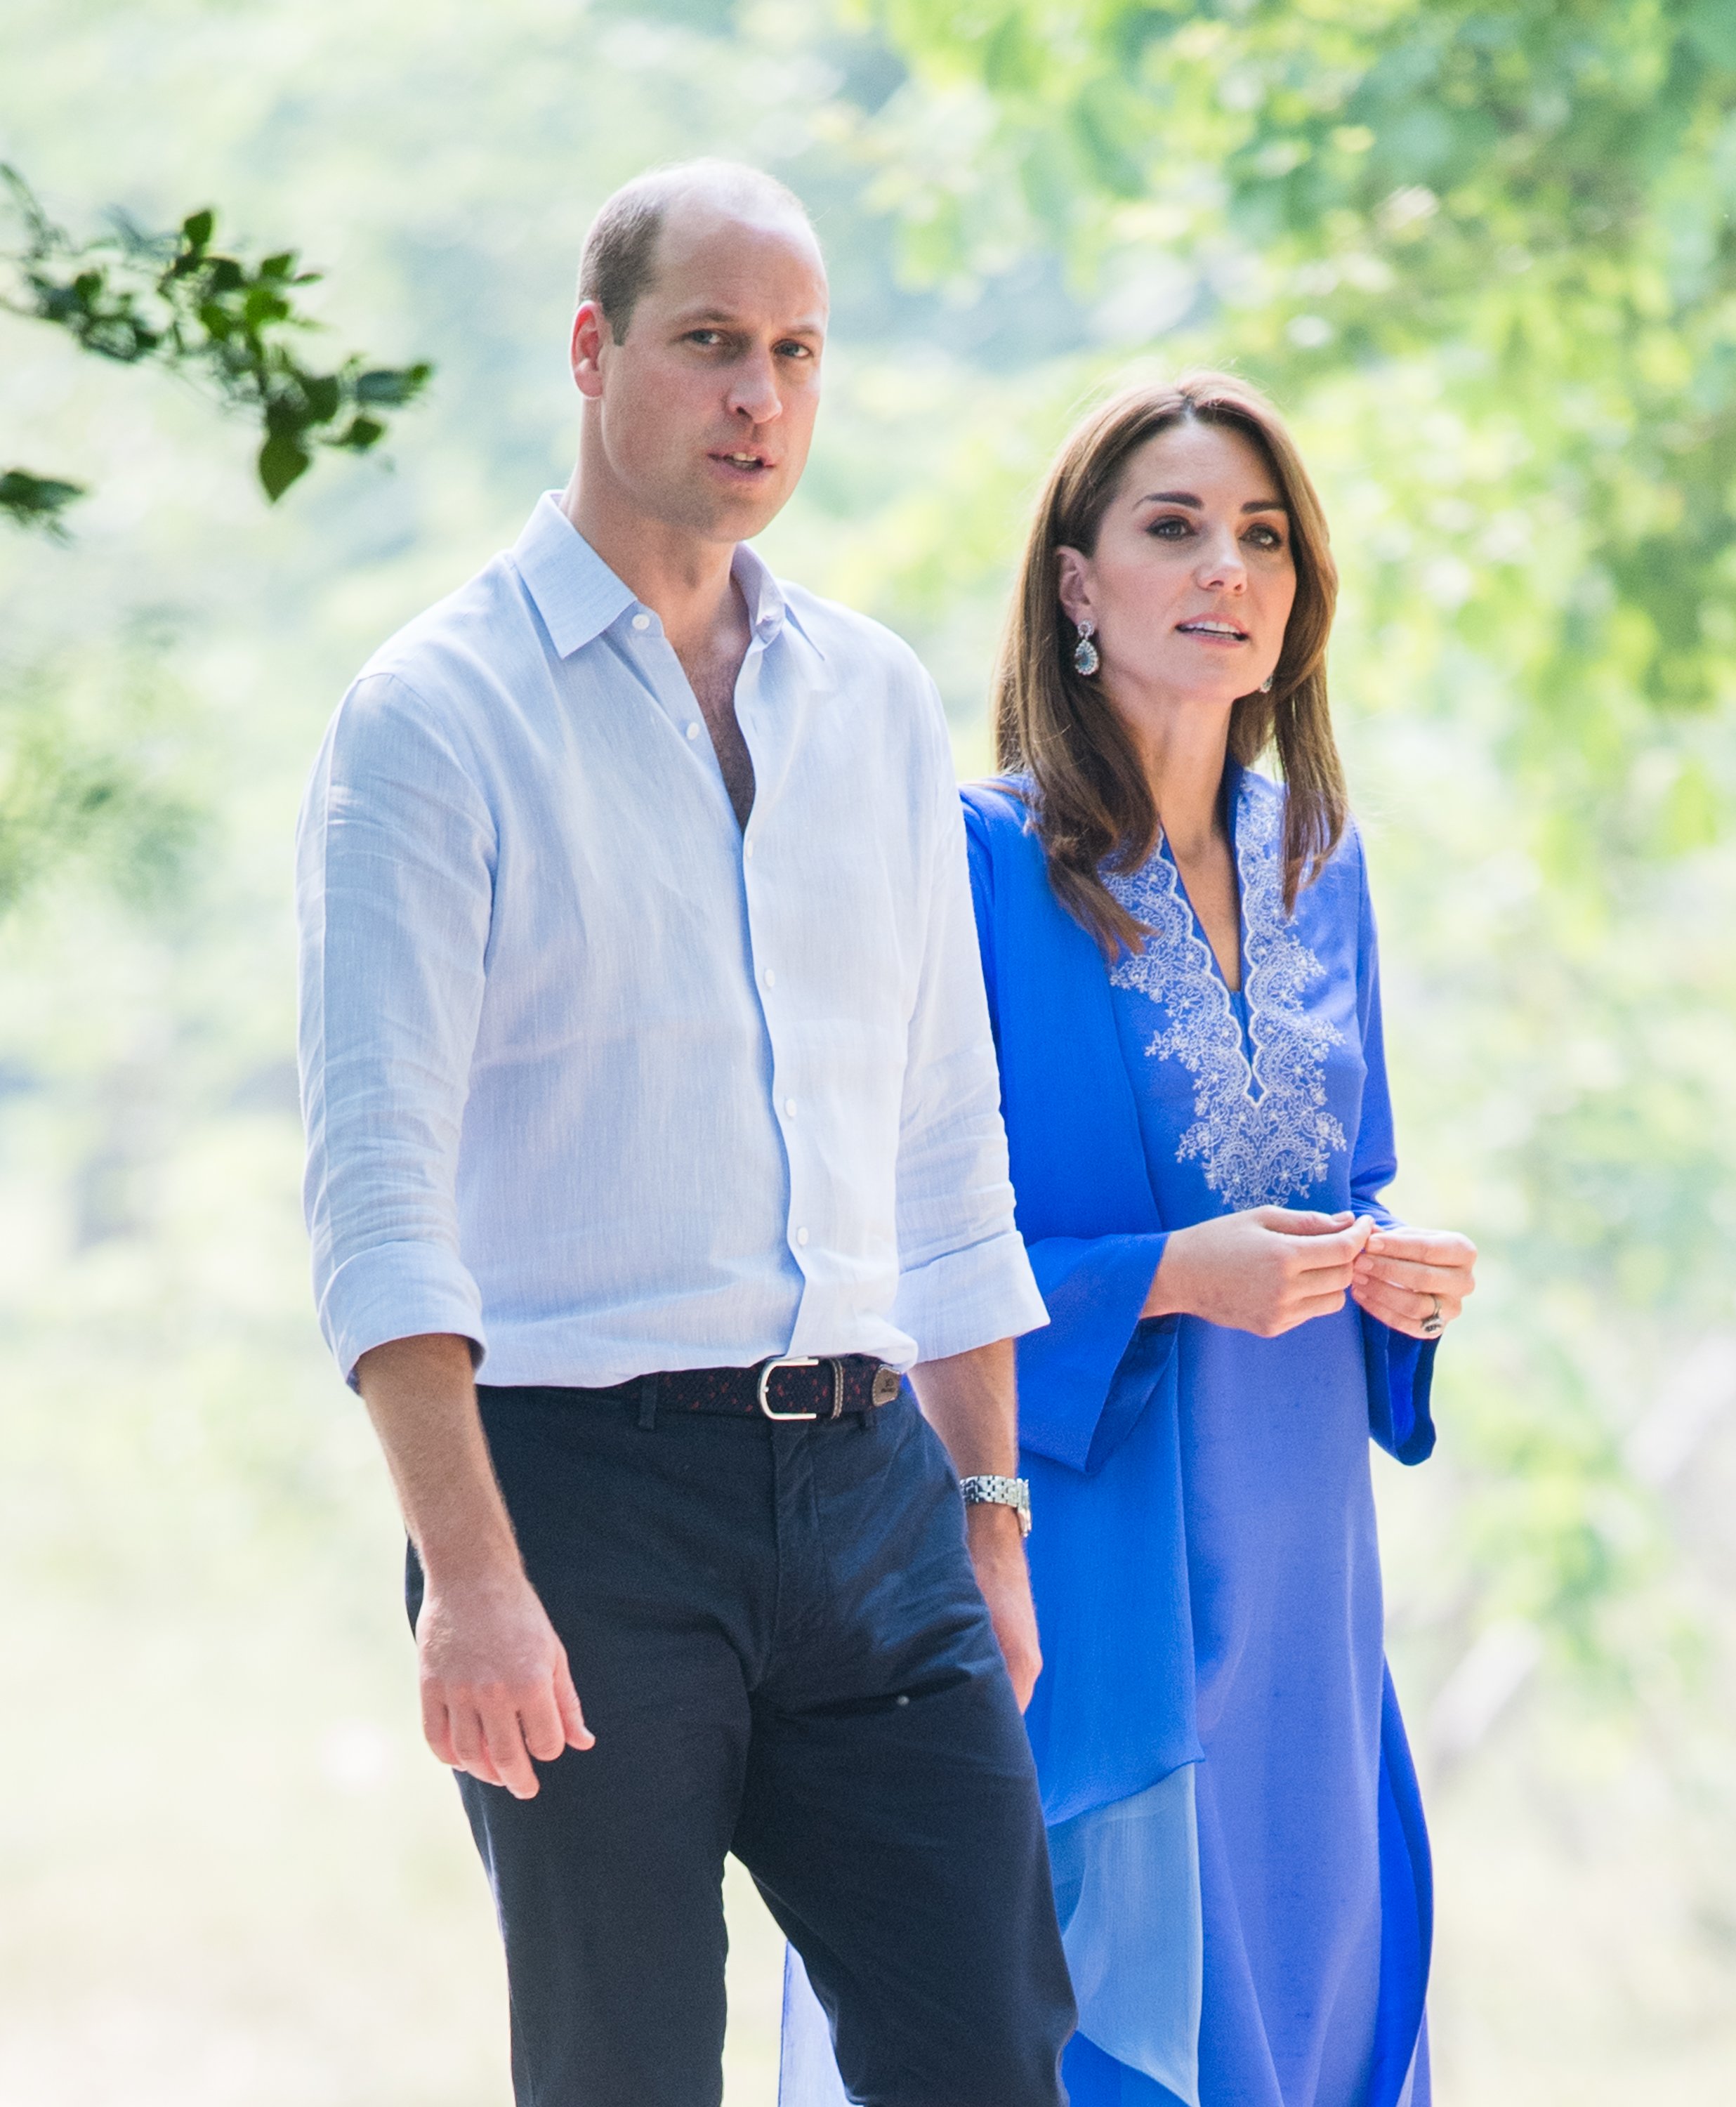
x=1240 y=1862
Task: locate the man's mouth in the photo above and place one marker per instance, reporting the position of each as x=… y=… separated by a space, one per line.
x=748 y=462
x=1212 y=625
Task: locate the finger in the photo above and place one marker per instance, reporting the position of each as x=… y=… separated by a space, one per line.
x=1341 y=1247
x=577 y=1734
x=1401 y=1310
x=437 y=1726
x=1410 y=1303
x=469 y=1746
x=506 y=1749
x=1320 y=1305
x=540 y=1724
x=1431 y=1246
x=1306 y=1309
x=1301 y=1221
x=1313 y=1280
x=1409 y=1273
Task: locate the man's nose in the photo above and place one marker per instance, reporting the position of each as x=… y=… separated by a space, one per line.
x=753 y=391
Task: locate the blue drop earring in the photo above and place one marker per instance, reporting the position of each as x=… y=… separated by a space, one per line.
x=1085 y=659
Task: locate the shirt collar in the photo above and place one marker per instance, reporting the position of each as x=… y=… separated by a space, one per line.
x=578 y=595
x=761 y=593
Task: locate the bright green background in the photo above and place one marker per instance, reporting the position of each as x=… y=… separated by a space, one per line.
x=1484 y=257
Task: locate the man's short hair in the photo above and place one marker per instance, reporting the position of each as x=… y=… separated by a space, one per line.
x=620 y=259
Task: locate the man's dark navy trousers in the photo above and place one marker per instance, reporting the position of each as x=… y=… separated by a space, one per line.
x=779 y=1644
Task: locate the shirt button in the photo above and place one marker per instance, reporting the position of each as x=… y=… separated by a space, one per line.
x=693 y=731
x=770 y=978
x=801 y=1236
x=641 y=622
x=789 y=1108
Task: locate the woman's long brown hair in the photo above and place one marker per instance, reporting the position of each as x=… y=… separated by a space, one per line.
x=1089 y=799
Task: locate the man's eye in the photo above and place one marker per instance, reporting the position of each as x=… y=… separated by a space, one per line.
x=793 y=350
x=707 y=338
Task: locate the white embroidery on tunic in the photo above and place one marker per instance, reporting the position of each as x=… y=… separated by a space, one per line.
x=1262 y=1132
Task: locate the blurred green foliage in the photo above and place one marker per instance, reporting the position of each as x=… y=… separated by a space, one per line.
x=74 y=787
x=93 y=774
x=1486 y=256
x=1547 y=802
x=172 y=300
x=1536 y=194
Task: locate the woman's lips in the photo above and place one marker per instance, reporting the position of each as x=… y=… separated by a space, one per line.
x=1212 y=632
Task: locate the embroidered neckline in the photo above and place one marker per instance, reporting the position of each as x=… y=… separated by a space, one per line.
x=1262 y=1131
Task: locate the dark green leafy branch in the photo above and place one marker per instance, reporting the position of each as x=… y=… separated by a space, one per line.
x=233 y=327
x=37 y=501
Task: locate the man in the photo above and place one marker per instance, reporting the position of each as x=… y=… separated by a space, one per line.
x=648 y=1074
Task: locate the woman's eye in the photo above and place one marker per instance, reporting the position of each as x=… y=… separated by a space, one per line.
x=1173 y=529
x=1266 y=537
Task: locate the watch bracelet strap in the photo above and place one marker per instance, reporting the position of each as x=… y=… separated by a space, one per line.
x=991 y=1489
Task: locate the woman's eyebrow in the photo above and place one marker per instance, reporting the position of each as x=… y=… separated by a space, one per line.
x=1197 y=505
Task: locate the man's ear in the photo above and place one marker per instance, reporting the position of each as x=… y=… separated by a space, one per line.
x=591 y=335
x=1073 y=583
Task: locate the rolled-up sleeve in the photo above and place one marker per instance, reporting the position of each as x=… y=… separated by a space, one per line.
x=394 y=890
x=964 y=1276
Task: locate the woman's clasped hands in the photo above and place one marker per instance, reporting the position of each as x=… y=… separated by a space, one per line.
x=1267 y=1269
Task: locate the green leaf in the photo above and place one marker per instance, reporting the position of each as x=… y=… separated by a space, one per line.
x=361 y=433
x=222 y=321
x=389 y=387
x=282 y=459
x=37 y=501
x=264 y=304
x=323 y=396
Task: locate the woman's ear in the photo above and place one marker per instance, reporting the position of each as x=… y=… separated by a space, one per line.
x=1073 y=584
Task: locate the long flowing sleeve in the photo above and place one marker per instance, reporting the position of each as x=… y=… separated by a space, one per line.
x=1400 y=1369
x=1085 y=1378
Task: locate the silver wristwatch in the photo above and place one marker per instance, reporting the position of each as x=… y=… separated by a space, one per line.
x=990 y=1490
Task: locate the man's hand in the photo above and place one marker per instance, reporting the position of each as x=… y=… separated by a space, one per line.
x=1404 y=1276
x=971 y=1400
x=998 y=1555
x=1265 y=1270
x=496 y=1687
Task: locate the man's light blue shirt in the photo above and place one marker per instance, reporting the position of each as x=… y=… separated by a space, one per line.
x=597 y=1080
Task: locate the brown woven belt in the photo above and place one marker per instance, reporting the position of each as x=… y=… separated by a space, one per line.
x=787 y=1387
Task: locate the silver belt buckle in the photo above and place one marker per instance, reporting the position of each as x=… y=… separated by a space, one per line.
x=767 y=1369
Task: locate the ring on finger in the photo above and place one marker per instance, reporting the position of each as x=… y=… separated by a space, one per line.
x=1434 y=1324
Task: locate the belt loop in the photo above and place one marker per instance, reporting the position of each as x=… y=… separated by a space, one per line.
x=647 y=1390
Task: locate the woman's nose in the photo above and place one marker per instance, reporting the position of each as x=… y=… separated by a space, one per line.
x=1221 y=567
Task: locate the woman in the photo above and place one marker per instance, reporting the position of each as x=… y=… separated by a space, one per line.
x=1181 y=965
